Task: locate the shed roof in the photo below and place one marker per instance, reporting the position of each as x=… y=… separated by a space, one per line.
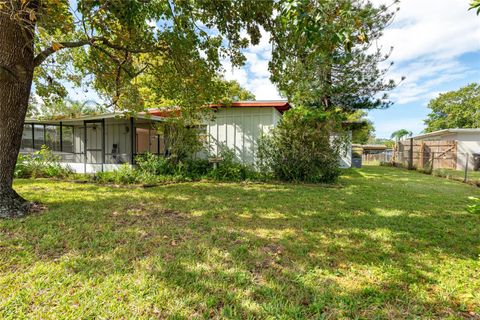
x=370 y=146
x=445 y=132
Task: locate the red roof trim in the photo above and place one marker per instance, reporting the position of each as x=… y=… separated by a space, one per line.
x=281 y=106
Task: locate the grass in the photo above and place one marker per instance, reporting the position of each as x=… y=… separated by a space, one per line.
x=459 y=175
x=389 y=244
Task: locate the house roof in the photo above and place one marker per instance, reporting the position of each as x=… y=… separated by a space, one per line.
x=118 y=115
x=280 y=105
x=445 y=132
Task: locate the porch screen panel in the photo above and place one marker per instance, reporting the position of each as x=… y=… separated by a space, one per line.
x=67 y=136
x=39 y=133
x=52 y=137
x=27 y=137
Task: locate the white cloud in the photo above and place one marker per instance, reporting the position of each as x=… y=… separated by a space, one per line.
x=428 y=37
x=436 y=29
x=255 y=76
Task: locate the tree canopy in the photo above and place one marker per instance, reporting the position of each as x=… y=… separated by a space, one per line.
x=325 y=54
x=117 y=47
x=455 y=109
x=365 y=133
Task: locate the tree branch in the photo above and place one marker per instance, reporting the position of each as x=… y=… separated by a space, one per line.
x=42 y=56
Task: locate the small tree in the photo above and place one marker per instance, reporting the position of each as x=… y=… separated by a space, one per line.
x=305 y=146
x=399 y=134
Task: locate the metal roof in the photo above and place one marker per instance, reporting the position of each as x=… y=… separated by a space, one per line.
x=446 y=131
x=96 y=117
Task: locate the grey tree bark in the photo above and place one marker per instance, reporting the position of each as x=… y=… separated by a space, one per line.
x=16 y=74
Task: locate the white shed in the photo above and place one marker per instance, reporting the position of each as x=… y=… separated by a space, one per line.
x=468 y=143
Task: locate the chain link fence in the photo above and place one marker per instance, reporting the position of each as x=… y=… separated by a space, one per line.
x=453 y=165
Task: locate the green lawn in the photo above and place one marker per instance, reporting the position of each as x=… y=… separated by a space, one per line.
x=472 y=176
x=389 y=243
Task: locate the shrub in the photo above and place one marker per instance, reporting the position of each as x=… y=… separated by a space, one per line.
x=152 y=164
x=22 y=170
x=182 y=139
x=42 y=164
x=230 y=170
x=305 y=146
x=187 y=168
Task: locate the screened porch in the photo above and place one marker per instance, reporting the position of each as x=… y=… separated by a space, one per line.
x=95 y=143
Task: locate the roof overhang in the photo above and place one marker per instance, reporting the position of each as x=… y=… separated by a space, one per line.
x=443 y=132
x=100 y=117
x=280 y=105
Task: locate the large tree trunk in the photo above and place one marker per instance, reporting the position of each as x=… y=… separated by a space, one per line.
x=16 y=73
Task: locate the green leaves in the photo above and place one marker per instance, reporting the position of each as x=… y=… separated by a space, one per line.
x=455 y=109
x=475 y=5
x=322 y=55
x=135 y=53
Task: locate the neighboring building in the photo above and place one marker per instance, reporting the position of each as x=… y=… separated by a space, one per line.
x=114 y=139
x=467 y=144
x=370 y=148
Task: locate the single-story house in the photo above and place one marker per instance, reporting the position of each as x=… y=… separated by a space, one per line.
x=467 y=144
x=115 y=139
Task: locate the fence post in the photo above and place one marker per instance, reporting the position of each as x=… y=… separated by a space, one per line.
x=432 y=160
x=410 y=156
x=465 y=179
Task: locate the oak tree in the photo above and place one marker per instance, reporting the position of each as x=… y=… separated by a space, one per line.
x=108 y=45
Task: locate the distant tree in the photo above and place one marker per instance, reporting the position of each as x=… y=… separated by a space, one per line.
x=235 y=92
x=399 y=134
x=66 y=109
x=363 y=134
x=387 y=142
x=455 y=109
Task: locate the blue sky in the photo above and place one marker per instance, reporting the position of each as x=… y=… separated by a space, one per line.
x=436 y=47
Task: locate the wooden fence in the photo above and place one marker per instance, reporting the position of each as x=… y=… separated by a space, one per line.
x=426 y=154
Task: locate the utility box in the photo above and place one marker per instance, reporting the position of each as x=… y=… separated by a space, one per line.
x=476 y=162
x=356 y=162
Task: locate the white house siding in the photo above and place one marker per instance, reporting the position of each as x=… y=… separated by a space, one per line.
x=239 y=129
x=468 y=143
x=346 y=154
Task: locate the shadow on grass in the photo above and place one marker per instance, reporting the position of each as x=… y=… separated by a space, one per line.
x=371 y=249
